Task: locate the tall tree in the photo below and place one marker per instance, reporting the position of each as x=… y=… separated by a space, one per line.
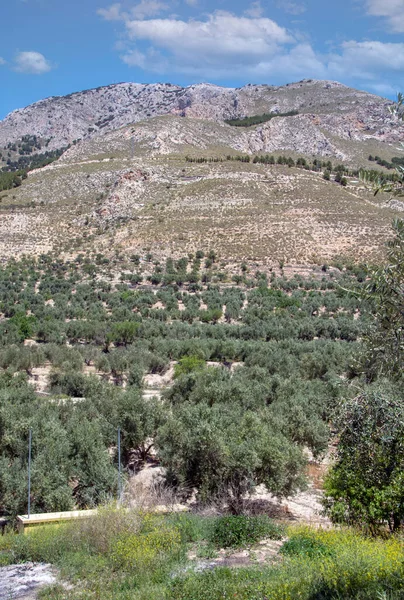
x=365 y=487
x=385 y=342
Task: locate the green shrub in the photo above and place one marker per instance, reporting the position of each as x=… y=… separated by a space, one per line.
x=241 y=530
x=188 y=364
x=98 y=533
x=43 y=544
x=192 y=528
x=306 y=543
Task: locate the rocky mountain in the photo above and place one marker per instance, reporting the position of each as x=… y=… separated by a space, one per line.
x=328 y=107
x=157 y=167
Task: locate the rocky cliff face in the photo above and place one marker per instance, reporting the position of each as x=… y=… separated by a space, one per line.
x=341 y=111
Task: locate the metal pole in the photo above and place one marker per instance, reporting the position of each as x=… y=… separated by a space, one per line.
x=119 y=467
x=29 y=472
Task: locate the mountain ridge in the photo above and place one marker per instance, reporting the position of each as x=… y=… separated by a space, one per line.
x=60 y=120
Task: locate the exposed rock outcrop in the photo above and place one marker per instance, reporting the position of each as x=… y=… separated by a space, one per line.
x=348 y=113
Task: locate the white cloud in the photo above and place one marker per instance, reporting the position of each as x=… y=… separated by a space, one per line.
x=383 y=89
x=32 y=63
x=112 y=13
x=255 y=11
x=373 y=63
x=142 y=10
x=191 y=2
x=293 y=8
x=2 y=61
x=368 y=60
x=391 y=10
x=300 y=62
x=134 y=58
x=223 y=40
x=148 y=8
x=252 y=48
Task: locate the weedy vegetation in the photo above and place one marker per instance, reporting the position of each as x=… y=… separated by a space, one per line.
x=140 y=555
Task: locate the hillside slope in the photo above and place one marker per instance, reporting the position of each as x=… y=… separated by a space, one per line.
x=135 y=188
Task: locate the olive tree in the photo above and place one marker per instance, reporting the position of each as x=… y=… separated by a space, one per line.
x=385 y=341
x=225 y=452
x=365 y=486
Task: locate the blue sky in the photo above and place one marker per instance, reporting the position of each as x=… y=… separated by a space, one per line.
x=51 y=47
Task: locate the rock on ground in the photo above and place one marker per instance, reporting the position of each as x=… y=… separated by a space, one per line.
x=23 y=581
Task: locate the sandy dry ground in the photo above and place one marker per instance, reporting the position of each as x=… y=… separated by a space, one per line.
x=24 y=581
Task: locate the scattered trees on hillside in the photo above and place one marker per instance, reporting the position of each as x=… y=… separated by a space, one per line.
x=393 y=184
x=365 y=486
x=258 y=119
x=8 y=181
x=294 y=339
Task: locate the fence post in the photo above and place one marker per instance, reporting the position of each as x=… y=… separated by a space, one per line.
x=119 y=467
x=29 y=472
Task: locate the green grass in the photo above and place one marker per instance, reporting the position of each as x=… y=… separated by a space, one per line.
x=349 y=567
x=132 y=555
